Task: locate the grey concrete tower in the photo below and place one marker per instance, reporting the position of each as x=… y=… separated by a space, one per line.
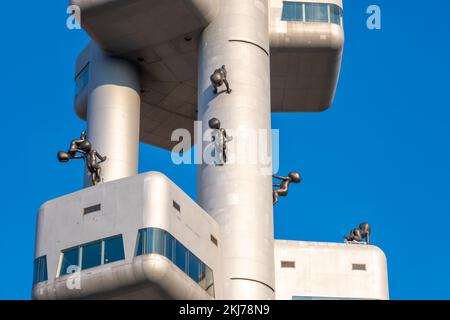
x=238 y=195
x=147 y=73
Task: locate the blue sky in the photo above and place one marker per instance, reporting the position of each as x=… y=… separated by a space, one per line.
x=380 y=154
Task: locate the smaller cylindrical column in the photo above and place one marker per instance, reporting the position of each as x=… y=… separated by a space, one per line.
x=113 y=114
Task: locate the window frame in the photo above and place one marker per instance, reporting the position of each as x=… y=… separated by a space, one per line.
x=61 y=271
x=334 y=8
x=82 y=79
x=89 y=244
x=80 y=248
x=117 y=237
x=40 y=270
x=315 y=9
x=304 y=5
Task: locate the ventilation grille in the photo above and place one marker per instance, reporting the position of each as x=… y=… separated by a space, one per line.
x=359 y=267
x=288 y=264
x=91 y=209
x=214 y=240
x=176 y=206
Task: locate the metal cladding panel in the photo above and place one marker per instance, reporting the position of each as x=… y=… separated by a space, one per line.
x=161 y=37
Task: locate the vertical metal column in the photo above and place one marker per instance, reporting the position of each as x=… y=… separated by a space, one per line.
x=239 y=195
x=113 y=114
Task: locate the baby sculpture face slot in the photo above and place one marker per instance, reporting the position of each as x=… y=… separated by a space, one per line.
x=82 y=149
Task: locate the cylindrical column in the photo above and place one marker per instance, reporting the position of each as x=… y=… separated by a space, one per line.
x=239 y=194
x=113 y=114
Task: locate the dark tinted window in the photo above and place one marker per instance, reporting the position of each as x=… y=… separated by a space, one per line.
x=153 y=240
x=114 y=249
x=92 y=255
x=180 y=256
x=40 y=270
x=82 y=80
x=70 y=259
x=194 y=267
x=292 y=11
x=170 y=247
x=311 y=12
x=316 y=12
x=141 y=242
x=335 y=14
x=158 y=242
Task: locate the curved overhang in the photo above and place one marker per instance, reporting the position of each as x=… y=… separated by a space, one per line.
x=305 y=65
x=122 y=27
x=147 y=277
x=161 y=37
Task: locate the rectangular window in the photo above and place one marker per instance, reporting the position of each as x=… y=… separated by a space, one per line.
x=292 y=11
x=158 y=242
x=311 y=12
x=92 y=255
x=148 y=245
x=81 y=80
x=316 y=12
x=335 y=14
x=288 y=11
x=194 y=267
x=170 y=247
x=70 y=261
x=180 y=256
x=114 y=249
x=202 y=274
x=40 y=270
x=152 y=240
x=209 y=281
x=141 y=242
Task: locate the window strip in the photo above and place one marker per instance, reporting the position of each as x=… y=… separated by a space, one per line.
x=312 y=12
x=63 y=263
x=176 y=252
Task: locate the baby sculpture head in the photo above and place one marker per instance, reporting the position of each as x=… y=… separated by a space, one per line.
x=214 y=123
x=295 y=177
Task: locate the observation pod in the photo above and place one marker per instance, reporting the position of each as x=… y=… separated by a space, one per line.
x=306 y=45
x=135 y=238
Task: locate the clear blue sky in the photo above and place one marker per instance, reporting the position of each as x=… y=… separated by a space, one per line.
x=381 y=153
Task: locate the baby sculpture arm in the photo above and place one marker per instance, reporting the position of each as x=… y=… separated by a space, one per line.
x=100 y=157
